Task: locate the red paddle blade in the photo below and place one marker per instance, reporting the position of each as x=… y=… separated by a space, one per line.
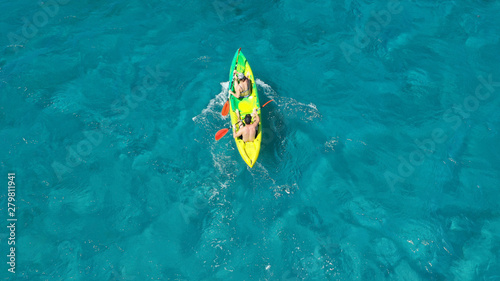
x=221 y=133
x=225 y=109
x=267 y=103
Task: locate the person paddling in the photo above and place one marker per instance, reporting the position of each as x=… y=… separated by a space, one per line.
x=249 y=130
x=242 y=86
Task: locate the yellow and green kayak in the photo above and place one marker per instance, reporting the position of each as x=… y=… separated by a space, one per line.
x=249 y=150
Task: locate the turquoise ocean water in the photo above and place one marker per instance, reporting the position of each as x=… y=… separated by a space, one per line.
x=380 y=156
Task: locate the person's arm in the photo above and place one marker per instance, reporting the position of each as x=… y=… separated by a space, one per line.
x=235 y=95
x=237 y=134
x=236 y=88
x=256 y=118
x=240 y=122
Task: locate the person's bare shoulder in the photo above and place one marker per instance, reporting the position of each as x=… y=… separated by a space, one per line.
x=253 y=125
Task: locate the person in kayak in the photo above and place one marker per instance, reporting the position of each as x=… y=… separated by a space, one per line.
x=249 y=131
x=242 y=86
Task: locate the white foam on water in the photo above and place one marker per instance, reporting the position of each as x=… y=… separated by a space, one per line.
x=289 y=106
x=215 y=105
x=268 y=90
